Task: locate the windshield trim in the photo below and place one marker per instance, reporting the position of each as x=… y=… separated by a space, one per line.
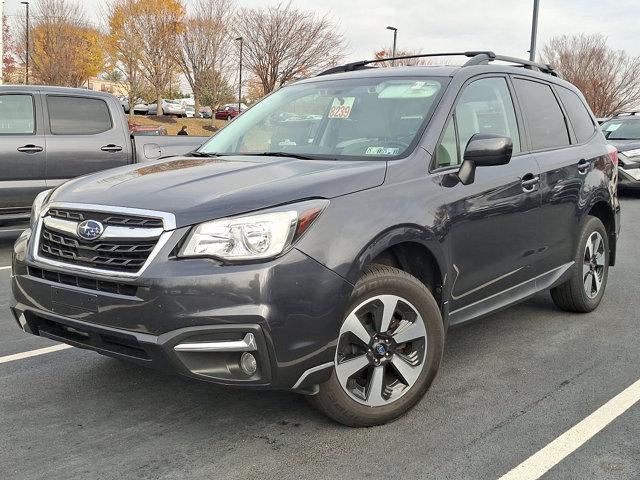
x=444 y=80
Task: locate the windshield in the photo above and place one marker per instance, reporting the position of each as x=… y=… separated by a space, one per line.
x=368 y=118
x=622 y=129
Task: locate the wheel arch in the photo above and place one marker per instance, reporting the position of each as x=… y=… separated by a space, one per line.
x=410 y=248
x=602 y=210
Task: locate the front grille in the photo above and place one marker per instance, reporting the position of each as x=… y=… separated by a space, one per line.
x=83 y=282
x=115 y=220
x=116 y=255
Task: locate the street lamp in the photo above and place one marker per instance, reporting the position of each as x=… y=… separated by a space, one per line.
x=239 y=39
x=534 y=31
x=26 y=80
x=395 y=36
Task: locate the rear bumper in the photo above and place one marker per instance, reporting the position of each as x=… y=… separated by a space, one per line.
x=292 y=306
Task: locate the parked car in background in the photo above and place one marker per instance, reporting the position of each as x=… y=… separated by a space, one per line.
x=623 y=132
x=229 y=111
x=50 y=134
x=329 y=257
x=190 y=112
x=169 y=107
x=154 y=130
x=124 y=101
x=141 y=107
x=205 y=112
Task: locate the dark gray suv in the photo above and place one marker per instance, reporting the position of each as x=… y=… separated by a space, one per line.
x=325 y=240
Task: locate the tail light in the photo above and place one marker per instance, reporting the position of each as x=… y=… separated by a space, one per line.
x=613 y=154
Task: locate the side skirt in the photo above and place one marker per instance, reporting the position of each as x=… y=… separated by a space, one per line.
x=511 y=295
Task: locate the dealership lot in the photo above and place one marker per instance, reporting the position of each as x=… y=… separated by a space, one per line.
x=510 y=384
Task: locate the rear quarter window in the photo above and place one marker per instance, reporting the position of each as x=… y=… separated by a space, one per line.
x=579 y=116
x=78 y=115
x=545 y=119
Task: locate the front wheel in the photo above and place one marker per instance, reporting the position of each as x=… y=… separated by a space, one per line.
x=583 y=292
x=388 y=353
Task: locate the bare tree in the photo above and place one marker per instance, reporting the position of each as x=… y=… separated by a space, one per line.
x=609 y=79
x=155 y=26
x=204 y=47
x=387 y=53
x=282 y=43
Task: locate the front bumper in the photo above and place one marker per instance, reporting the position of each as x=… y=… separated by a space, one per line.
x=291 y=305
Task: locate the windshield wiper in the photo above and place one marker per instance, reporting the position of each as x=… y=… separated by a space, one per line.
x=289 y=155
x=205 y=154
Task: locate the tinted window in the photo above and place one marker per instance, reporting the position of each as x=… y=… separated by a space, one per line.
x=447 y=151
x=545 y=120
x=77 y=115
x=16 y=115
x=579 y=116
x=485 y=106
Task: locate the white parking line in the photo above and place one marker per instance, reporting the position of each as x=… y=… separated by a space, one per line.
x=545 y=459
x=5 y=268
x=33 y=353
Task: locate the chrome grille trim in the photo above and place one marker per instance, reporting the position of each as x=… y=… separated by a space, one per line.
x=163 y=236
x=121 y=233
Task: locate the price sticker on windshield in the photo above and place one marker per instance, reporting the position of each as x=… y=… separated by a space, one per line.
x=341 y=107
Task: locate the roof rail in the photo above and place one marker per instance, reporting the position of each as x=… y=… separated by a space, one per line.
x=482 y=57
x=362 y=64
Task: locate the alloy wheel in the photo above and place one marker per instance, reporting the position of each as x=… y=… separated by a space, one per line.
x=593 y=266
x=381 y=350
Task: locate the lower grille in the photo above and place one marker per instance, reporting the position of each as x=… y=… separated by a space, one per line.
x=117 y=255
x=83 y=282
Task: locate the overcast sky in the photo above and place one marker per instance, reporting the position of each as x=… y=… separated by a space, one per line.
x=456 y=25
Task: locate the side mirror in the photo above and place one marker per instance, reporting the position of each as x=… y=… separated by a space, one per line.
x=484 y=150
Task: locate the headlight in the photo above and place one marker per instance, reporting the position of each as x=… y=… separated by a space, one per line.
x=252 y=237
x=38 y=203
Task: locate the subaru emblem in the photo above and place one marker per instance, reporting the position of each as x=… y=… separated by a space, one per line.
x=90 y=230
x=380 y=349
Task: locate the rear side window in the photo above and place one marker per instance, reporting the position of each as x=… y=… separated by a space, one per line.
x=547 y=127
x=78 y=115
x=16 y=115
x=579 y=116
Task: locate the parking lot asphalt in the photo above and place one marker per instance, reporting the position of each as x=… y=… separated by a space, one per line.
x=510 y=384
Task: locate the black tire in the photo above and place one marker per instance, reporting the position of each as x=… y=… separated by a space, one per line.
x=229 y=118
x=333 y=401
x=572 y=295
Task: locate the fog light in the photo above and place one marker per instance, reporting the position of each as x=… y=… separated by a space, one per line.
x=248 y=363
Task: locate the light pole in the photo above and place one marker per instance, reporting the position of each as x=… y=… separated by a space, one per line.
x=395 y=37
x=239 y=39
x=534 y=31
x=26 y=71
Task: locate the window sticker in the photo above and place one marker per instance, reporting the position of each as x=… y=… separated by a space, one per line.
x=287 y=143
x=341 y=107
x=613 y=127
x=382 y=151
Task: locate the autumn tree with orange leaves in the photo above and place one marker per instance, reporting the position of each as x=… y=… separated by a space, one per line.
x=65 y=49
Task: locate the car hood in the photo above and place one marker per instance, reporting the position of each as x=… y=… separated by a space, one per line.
x=198 y=189
x=625 y=145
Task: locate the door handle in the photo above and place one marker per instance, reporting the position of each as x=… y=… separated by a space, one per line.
x=583 y=166
x=30 y=149
x=111 y=148
x=530 y=182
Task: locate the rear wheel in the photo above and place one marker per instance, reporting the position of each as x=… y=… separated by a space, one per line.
x=388 y=353
x=229 y=117
x=583 y=292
